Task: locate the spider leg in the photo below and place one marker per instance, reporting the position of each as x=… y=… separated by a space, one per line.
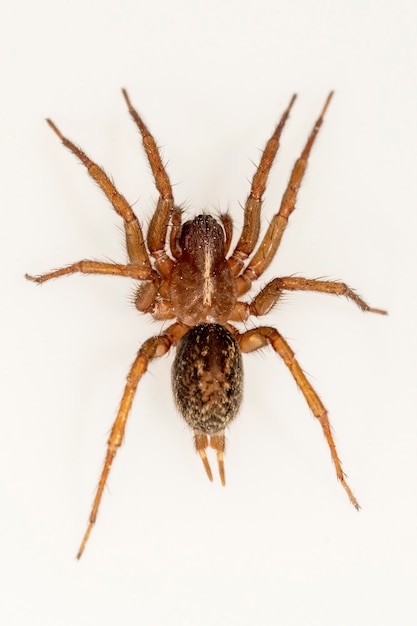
x=265 y=299
x=259 y=337
x=96 y=267
x=135 y=242
x=251 y=225
x=175 y=231
x=269 y=245
x=157 y=231
x=227 y=222
x=151 y=349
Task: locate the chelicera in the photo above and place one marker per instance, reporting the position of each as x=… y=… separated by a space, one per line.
x=190 y=276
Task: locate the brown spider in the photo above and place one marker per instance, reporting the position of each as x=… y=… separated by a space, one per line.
x=195 y=283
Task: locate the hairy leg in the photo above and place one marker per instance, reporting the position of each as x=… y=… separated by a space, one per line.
x=264 y=335
x=134 y=237
x=251 y=225
x=270 y=243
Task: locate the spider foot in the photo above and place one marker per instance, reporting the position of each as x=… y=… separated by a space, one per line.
x=34 y=279
x=379 y=311
x=84 y=541
x=349 y=493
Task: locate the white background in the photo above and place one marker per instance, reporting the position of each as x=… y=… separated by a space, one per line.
x=280 y=544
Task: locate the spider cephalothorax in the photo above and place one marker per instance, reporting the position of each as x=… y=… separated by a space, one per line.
x=202 y=286
x=187 y=276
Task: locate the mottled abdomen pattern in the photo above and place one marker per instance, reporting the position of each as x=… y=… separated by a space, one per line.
x=207 y=378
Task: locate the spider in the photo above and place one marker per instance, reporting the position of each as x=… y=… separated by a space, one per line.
x=189 y=276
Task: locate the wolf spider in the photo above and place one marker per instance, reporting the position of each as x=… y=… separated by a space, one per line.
x=192 y=280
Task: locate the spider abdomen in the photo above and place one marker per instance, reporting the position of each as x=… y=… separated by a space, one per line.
x=207 y=378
